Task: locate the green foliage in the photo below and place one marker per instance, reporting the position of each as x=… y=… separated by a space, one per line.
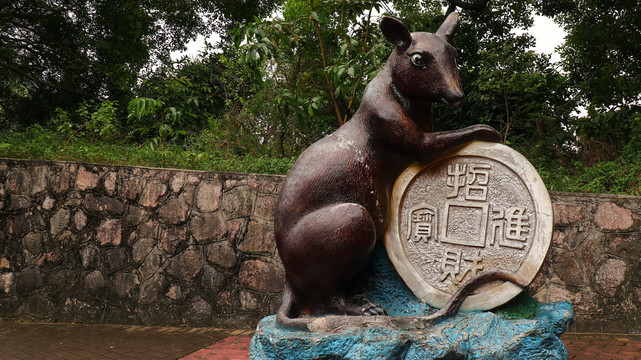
x=58 y=53
x=152 y=117
x=277 y=83
x=99 y=121
x=602 y=60
x=523 y=306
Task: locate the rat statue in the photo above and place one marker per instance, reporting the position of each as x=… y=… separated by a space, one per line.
x=333 y=205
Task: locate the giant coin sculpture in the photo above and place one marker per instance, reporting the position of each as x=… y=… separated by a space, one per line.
x=479 y=208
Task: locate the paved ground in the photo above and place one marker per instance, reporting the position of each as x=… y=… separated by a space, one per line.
x=603 y=346
x=74 y=341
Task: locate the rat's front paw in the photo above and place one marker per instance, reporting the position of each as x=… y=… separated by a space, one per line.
x=485 y=133
x=372 y=309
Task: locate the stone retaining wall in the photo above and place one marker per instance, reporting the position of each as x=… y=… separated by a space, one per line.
x=595 y=261
x=106 y=244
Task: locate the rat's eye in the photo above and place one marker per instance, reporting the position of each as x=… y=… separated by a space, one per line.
x=419 y=60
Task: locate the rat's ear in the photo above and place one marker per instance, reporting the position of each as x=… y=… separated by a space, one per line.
x=396 y=32
x=448 y=28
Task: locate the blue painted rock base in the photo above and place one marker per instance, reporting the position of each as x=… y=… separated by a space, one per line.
x=478 y=335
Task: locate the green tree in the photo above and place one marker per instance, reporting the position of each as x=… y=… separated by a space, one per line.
x=56 y=54
x=602 y=58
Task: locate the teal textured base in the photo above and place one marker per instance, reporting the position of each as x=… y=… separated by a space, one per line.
x=477 y=335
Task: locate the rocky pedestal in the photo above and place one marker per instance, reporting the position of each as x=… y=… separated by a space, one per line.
x=476 y=335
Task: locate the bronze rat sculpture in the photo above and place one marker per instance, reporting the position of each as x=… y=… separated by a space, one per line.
x=334 y=202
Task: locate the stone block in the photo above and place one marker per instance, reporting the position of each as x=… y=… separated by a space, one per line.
x=567 y=268
x=153 y=192
x=610 y=275
x=208 y=227
x=221 y=254
x=174 y=211
x=18 y=202
x=186 y=265
x=19 y=182
x=48 y=203
x=18 y=225
x=227 y=302
x=96 y=284
x=172 y=239
x=40 y=308
x=141 y=248
x=208 y=195
x=109 y=232
x=125 y=285
x=261 y=276
x=259 y=238
x=89 y=257
x=79 y=220
x=75 y=310
x=50 y=258
x=66 y=241
x=132 y=187
x=177 y=182
x=113 y=259
x=236 y=229
x=238 y=201
x=626 y=246
x=86 y=180
x=178 y=292
x=109 y=182
x=150 y=229
x=32 y=242
x=188 y=194
x=265 y=206
x=151 y=265
x=199 y=312
x=61 y=282
x=106 y=204
x=40 y=175
x=135 y=215
x=211 y=281
x=610 y=216
x=59 y=183
x=7 y=286
x=59 y=221
x=248 y=301
x=152 y=288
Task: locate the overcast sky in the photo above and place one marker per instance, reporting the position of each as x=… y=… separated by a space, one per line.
x=548 y=36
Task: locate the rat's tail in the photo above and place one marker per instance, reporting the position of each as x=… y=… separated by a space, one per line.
x=283 y=317
x=335 y=322
x=452 y=306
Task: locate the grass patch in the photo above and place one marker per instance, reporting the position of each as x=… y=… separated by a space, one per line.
x=619 y=176
x=523 y=306
x=44 y=144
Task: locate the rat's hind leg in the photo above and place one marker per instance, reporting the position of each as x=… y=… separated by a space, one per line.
x=323 y=252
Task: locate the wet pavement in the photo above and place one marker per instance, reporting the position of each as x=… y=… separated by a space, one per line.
x=78 y=341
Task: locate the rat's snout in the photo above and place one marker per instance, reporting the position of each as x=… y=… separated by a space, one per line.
x=454 y=98
x=458 y=98
x=452 y=92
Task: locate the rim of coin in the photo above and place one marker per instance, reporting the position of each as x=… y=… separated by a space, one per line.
x=533 y=261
